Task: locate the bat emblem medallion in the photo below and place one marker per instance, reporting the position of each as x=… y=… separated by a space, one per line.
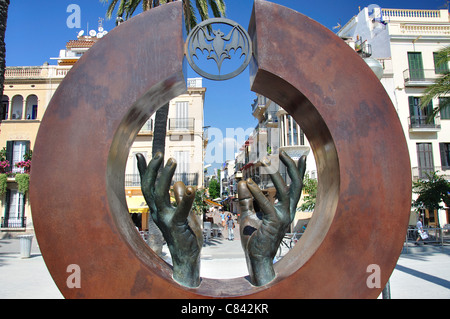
x=218 y=40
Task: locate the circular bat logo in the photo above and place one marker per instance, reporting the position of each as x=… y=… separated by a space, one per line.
x=217 y=45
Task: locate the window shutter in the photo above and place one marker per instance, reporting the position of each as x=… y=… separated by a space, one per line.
x=9 y=153
x=444 y=150
x=27 y=146
x=7 y=201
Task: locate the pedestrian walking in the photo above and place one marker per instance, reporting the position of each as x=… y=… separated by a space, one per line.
x=420 y=233
x=230 y=226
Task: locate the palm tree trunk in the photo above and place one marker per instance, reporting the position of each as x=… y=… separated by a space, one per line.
x=4 y=4
x=155 y=237
x=159 y=136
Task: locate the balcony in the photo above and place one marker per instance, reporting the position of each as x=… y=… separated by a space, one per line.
x=413 y=15
x=189 y=179
x=14 y=223
x=36 y=72
x=422 y=172
x=259 y=107
x=420 y=77
x=147 y=129
x=271 y=119
x=182 y=125
x=421 y=124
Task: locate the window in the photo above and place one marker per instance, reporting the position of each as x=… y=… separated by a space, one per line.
x=4 y=109
x=15 y=150
x=418 y=115
x=32 y=107
x=415 y=62
x=445 y=155
x=444 y=104
x=425 y=159
x=182 y=113
x=17 y=107
x=182 y=158
x=14 y=209
x=439 y=68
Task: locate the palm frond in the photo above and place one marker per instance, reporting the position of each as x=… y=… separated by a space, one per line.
x=111 y=7
x=189 y=17
x=218 y=8
x=202 y=8
x=443 y=56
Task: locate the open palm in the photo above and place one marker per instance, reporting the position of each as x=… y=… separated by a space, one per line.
x=180 y=230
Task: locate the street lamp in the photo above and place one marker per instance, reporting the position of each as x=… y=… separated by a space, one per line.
x=376 y=66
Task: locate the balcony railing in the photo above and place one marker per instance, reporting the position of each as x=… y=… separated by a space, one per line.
x=422 y=172
x=190 y=179
x=420 y=77
x=411 y=14
x=421 y=123
x=186 y=124
x=14 y=222
x=132 y=180
x=147 y=128
x=33 y=72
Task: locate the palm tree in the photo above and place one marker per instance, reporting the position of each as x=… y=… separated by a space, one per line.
x=128 y=7
x=441 y=86
x=4 y=5
x=125 y=10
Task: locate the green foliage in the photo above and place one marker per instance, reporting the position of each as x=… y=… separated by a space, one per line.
x=199 y=205
x=431 y=191
x=214 y=188
x=23 y=182
x=126 y=9
x=441 y=87
x=3 y=183
x=3 y=154
x=310 y=189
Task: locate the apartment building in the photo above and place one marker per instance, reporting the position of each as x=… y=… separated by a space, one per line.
x=186 y=142
x=28 y=91
x=405 y=42
x=276 y=131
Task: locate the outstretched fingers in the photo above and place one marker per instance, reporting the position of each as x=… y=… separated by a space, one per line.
x=184 y=201
x=162 y=187
x=264 y=203
x=278 y=182
x=296 y=173
x=245 y=198
x=148 y=175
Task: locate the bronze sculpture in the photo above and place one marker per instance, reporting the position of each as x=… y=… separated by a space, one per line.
x=260 y=238
x=180 y=230
x=364 y=193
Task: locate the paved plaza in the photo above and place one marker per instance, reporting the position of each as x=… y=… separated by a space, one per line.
x=422 y=272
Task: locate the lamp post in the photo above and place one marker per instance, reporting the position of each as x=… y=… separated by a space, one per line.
x=376 y=66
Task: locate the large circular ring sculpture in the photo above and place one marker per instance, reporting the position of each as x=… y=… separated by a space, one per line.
x=77 y=187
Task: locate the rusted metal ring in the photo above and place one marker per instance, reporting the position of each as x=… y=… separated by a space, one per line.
x=77 y=183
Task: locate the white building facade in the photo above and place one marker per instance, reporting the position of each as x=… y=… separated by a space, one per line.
x=406 y=43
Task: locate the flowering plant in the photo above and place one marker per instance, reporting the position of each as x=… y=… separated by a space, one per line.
x=24 y=164
x=3 y=166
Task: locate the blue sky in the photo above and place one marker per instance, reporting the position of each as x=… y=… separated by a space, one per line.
x=36 y=32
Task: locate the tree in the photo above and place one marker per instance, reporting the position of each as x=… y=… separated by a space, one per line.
x=4 y=5
x=441 y=86
x=432 y=191
x=310 y=188
x=128 y=8
x=214 y=189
